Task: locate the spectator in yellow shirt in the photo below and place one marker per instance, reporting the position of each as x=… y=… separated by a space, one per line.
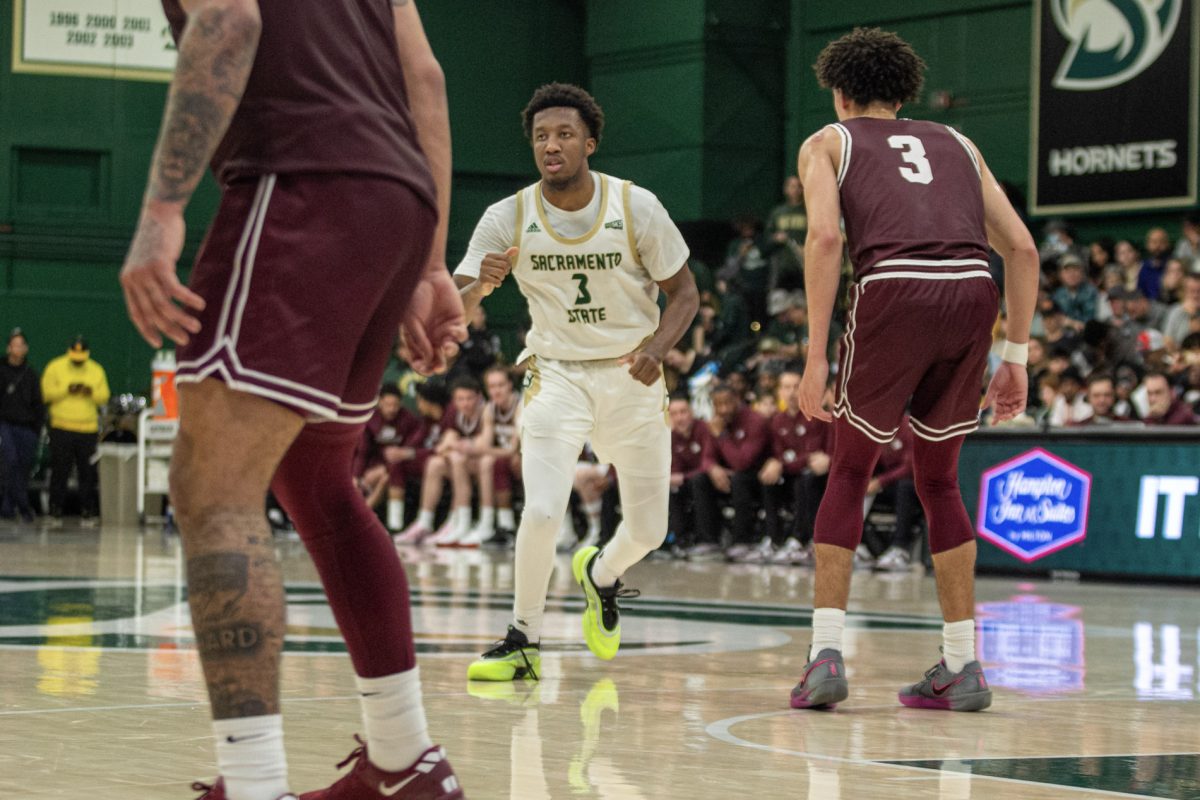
x=74 y=387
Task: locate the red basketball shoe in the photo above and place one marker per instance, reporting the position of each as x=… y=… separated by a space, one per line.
x=430 y=778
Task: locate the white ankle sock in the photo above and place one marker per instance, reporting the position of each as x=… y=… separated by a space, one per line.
x=530 y=624
x=395 y=514
x=603 y=575
x=394 y=719
x=461 y=518
x=828 y=625
x=508 y=520
x=592 y=510
x=487 y=518
x=250 y=757
x=425 y=519
x=958 y=644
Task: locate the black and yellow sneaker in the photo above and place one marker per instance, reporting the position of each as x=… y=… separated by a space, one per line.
x=510 y=659
x=602 y=616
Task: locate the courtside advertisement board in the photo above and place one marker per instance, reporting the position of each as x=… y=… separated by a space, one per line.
x=1086 y=501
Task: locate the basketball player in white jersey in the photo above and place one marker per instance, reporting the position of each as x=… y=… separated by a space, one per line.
x=589 y=253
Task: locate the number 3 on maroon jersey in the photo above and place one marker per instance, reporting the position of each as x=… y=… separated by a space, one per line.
x=913 y=153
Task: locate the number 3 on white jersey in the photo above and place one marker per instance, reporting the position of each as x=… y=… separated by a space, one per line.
x=913 y=152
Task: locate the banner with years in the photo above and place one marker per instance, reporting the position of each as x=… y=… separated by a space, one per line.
x=126 y=39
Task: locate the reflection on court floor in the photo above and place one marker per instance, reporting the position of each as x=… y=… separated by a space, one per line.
x=1096 y=684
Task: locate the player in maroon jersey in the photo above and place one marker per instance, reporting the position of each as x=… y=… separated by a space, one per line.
x=498 y=437
x=455 y=460
x=328 y=130
x=920 y=208
x=795 y=473
x=384 y=459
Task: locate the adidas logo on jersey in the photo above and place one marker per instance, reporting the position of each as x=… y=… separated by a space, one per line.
x=533 y=228
x=615 y=224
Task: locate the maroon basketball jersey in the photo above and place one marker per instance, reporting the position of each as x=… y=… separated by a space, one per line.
x=326 y=94
x=911 y=196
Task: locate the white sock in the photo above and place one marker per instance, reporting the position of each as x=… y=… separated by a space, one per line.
x=395 y=514
x=487 y=517
x=828 y=625
x=592 y=510
x=425 y=519
x=958 y=644
x=462 y=519
x=250 y=757
x=508 y=520
x=394 y=719
x=603 y=575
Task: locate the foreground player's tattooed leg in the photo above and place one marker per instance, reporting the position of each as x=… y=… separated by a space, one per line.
x=238 y=611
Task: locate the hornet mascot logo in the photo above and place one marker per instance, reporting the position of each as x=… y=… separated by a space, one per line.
x=1112 y=41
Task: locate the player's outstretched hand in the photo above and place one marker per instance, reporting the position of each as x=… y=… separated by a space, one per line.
x=1008 y=391
x=812 y=390
x=157 y=302
x=434 y=324
x=495 y=268
x=643 y=367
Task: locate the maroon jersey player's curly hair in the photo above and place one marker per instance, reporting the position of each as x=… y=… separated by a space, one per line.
x=871 y=65
x=555 y=95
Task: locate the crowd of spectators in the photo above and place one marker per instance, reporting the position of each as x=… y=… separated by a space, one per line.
x=1116 y=341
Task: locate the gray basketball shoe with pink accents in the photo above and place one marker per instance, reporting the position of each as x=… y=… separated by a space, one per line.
x=824 y=682
x=950 y=691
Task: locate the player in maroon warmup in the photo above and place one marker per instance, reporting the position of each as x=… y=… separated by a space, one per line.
x=327 y=127
x=920 y=209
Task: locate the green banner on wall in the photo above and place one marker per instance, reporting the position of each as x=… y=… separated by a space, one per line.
x=1143 y=510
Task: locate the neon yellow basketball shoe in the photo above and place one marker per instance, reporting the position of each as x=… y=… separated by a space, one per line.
x=602 y=617
x=512 y=658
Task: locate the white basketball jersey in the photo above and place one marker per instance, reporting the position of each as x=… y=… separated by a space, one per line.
x=589 y=297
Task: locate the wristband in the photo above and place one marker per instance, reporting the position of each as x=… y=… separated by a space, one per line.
x=1015 y=353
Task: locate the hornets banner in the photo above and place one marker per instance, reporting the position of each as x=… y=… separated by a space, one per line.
x=1114 y=122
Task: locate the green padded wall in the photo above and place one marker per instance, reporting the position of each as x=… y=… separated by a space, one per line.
x=707 y=103
x=74 y=154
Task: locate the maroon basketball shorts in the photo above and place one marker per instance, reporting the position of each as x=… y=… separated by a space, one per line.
x=502 y=476
x=401 y=473
x=919 y=343
x=306 y=278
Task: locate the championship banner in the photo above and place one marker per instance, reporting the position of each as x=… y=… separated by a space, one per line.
x=126 y=39
x=1114 y=116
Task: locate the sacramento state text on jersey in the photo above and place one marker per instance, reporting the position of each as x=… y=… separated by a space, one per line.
x=587 y=315
x=555 y=262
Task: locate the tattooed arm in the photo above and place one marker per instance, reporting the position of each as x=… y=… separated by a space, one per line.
x=435 y=322
x=216 y=53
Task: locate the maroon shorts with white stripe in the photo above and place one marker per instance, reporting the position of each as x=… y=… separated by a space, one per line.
x=306 y=278
x=916 y=340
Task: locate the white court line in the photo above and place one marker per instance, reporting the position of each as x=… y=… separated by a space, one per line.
x=720 y=731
